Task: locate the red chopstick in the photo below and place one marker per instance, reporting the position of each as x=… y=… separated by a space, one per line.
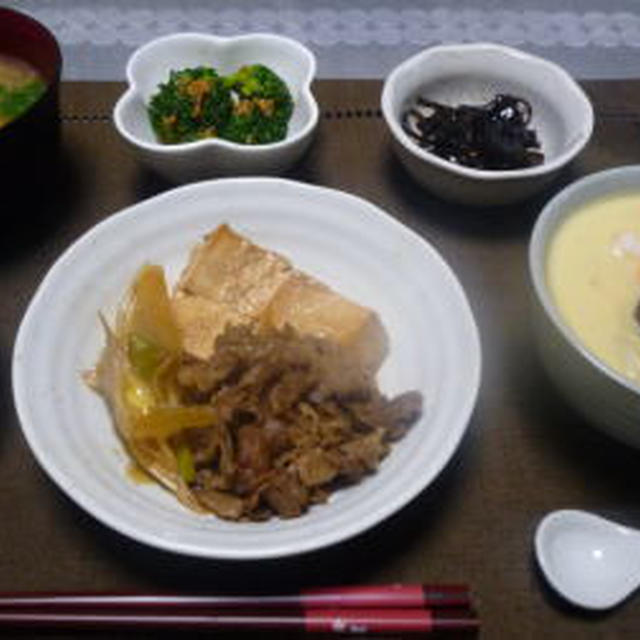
x=399 y=596
x=395 y=608
x=342 y=621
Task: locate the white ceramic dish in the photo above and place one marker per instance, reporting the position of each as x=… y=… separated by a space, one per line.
x=604 y=397
x=345 y=241
x=150 y=65
x=473 y=74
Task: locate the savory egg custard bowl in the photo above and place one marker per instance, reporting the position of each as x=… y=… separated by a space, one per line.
x=594 y=278
x=583 y=260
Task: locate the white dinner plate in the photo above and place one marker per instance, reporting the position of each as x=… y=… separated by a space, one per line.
x=346 y=242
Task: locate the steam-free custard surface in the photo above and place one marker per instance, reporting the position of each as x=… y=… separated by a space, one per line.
x=593 y=272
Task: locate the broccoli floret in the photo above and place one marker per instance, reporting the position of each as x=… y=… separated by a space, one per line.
x=251 y=106
x=193 y=104
x=262 y=106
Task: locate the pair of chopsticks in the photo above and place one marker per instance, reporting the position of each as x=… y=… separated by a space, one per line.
x=412 y=608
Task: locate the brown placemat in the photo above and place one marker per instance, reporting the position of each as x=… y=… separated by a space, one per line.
x=525 y=452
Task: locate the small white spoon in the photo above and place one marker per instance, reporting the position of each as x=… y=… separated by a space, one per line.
x=592 y=562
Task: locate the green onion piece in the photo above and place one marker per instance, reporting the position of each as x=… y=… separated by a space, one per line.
x=145 y=356
x=186 y=467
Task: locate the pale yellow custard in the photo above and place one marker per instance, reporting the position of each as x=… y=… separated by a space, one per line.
x=593 y=272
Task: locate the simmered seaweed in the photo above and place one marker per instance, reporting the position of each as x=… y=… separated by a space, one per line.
x=495 y=135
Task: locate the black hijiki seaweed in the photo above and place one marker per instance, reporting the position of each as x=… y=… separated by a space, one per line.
x=490 y=136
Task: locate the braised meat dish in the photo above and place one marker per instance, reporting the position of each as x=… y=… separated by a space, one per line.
x=264 y=414
x=294 y=420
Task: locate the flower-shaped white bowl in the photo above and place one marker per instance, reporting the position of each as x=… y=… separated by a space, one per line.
x=473 y=74
x=150 y=65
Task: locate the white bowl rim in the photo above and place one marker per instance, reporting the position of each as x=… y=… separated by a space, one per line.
x=173 y=149
x=538 y=247
x=580 y=142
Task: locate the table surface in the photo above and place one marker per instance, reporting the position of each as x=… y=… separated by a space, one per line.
x=525 y=451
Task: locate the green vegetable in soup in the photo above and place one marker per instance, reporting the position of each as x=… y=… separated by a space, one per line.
x=251 y=106
x=17 y=101
x=20 y=88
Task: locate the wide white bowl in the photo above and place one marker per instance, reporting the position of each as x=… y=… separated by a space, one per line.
x=605 y=398
x=150 y=65
x=473 y=74
x=345 y=241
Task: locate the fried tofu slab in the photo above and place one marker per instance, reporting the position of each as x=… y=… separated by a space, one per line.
x=229 y=281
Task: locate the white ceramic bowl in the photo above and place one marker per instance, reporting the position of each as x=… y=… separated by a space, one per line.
x=604 y=397
x=473 y=74
x=345 y=241
x=150 y=65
